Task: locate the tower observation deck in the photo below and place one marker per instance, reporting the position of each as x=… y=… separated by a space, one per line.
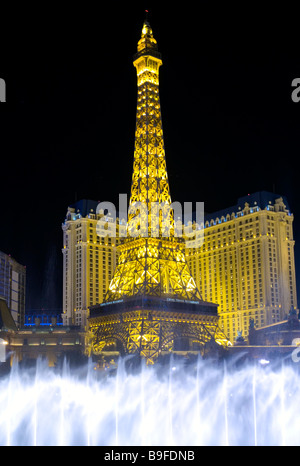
x=152 y=301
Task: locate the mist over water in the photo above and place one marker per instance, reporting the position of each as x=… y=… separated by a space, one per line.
x=173 y=405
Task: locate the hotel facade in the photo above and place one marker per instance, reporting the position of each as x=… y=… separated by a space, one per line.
x=88 y=260
x=246 y=262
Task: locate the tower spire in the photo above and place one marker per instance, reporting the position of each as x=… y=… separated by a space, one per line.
x=150 y=185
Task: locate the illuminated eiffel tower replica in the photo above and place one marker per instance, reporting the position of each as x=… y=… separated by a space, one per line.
x=153 y=305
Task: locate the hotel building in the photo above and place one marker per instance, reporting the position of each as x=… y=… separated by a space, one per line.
x=246 y=262
x=88 y=259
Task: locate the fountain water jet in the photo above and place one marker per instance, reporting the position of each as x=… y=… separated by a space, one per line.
x=181 y=405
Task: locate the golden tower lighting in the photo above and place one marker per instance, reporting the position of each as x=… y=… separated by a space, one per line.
x=152 y=261
x=152 y=299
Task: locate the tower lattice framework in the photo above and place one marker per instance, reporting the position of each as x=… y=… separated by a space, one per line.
x=152 y=299
x=152 y=260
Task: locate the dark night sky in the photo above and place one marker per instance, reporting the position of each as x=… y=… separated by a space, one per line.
x=67 y=128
